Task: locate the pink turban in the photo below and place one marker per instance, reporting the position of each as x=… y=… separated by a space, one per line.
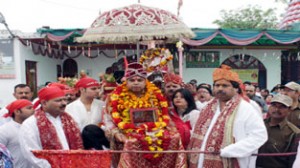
x=86 y=82
x=48 y=93
x=16 y=105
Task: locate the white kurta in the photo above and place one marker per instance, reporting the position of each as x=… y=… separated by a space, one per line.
x=83 y=117
x=297 y=160
x=192 y=117
x=29 y=138
x=9 y=137
x=2 y=119
x=249 y=132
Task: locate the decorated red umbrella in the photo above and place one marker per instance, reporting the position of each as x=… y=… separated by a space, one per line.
x=135 y=23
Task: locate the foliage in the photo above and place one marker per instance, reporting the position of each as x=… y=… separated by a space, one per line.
x=251 y=17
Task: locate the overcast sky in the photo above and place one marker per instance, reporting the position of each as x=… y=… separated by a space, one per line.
x=28 y=15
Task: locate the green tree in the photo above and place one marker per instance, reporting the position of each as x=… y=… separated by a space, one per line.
x=251 y=17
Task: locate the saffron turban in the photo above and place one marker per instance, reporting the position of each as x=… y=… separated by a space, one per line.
x=171 y=77
x=16 y=105
x=135 y=69
x=225 y=72
x=86 y=82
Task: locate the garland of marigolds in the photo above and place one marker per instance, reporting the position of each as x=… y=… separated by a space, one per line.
x=122 y=100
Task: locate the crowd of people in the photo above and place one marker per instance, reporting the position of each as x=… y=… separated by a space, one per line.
x=229 y=124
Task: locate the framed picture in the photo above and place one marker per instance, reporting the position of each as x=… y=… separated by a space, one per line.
x=143 y=115
x=202 y=59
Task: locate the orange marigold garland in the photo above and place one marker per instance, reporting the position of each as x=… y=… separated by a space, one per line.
x=152 y=136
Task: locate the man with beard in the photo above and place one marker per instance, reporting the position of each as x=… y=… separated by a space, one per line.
x=21 y=91
x=50 y=128
x=228 y=127
x=19 y=111
x=283 y=136
x=172 y=82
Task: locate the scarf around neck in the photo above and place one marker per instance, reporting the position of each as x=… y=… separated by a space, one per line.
x=221 y=134
x=48 y=134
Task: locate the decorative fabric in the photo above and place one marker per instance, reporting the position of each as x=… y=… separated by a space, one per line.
x=135 y=69
x=5 y=157
x=86 y=82
x=171 y=77
x=242 y=37
x=16 y=105
x=170 y=160
x=76 y=158
x=48 y=135
x=134 y=23
x=225 y=72
x=220 y=136
x=183 y=128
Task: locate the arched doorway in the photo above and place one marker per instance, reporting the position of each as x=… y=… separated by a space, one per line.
x=249 y=69
x=70 y=68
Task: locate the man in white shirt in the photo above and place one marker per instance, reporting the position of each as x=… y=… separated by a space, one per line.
x=228 y=127
x=21 y=91
x=18 y=110
x=50 y=128
x=86 y=109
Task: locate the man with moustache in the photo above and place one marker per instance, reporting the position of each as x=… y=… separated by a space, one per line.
x=50 y=128
x=21 y=91
x=172 y=83
x=228 y=127
x=19 y=111
x=283 y=136
x=132 y=100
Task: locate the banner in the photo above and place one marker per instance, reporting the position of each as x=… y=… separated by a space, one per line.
x=7 y=62
x=250 y=75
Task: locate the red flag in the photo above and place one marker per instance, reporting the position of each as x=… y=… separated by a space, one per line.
x=125 y=62
x=180 y=3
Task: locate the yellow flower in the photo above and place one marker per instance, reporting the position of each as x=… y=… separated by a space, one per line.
x=160 y=133
x=114 y=97
x=121 y=125
x=116 y=115
x=148 y=139
x=156 y=155
x=159 y=141
x=151 y=148
x=164 y=104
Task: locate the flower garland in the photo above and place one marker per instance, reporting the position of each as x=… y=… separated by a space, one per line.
x=163 y=54
x=152 y=136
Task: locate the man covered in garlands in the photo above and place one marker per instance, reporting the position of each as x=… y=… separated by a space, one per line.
x=138 y=97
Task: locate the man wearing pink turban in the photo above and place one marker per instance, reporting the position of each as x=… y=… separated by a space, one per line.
x=86 y=109
x=50 y=128
x=19 y=111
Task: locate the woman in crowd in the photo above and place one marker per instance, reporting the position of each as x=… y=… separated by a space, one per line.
x=185 y=114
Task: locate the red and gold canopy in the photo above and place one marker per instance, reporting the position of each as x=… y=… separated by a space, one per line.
x=136 y=23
